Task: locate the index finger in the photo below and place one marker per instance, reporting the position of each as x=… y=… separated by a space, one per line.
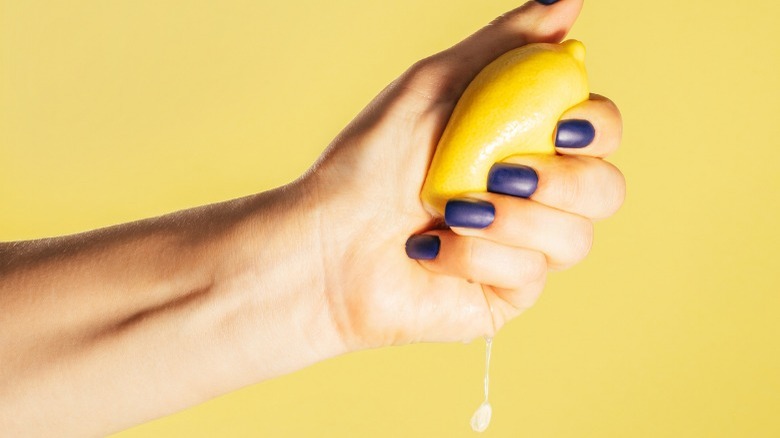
x=592 y=128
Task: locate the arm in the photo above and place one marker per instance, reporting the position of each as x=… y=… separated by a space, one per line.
x=159 y=314
x=165 y=313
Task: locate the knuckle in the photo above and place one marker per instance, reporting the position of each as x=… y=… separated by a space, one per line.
x=614 y=190
x=533 y=267
x=528 y=295
x=421 y=69
x=580 y=240
x=429 y=78
x=418 y=74
x=593 y=188
x=585 y=241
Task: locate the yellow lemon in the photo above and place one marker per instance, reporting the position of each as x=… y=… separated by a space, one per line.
x=510 y=108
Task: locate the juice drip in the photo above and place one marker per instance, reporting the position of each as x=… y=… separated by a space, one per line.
x=481 y=418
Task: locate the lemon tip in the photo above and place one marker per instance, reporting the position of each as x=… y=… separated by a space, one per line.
x=575 y=48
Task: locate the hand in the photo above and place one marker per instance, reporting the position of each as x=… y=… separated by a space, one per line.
x=367 y=185
x=245 y=290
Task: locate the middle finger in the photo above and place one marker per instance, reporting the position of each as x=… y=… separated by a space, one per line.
x=582 y=185
x=564 y=238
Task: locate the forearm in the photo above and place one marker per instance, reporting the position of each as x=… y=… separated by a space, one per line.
x=103 y=330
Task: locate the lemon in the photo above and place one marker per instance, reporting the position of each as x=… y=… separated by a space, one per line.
x=511 y=107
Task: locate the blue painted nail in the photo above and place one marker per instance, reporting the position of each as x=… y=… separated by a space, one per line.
x=469 y=213
x=512 y=179
x=423 y=247
x=547 y=2
x=574 y=134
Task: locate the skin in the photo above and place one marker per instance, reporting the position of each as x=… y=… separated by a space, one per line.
x=164 y=313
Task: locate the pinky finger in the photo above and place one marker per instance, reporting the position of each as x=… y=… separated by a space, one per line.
x=477 y=260
x=521 y=298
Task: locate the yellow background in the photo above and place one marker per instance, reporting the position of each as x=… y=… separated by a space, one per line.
x=119 y=110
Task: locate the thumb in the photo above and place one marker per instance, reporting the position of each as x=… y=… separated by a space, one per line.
x=446 y=74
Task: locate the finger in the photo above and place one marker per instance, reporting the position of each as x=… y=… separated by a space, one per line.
x=585 y=186
x=478 y=260
x=592 y=128
x=564 y=238
x=446 y=74
x=532 y=22
x=521 y=298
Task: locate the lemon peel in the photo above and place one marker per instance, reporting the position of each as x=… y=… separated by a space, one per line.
x=511 y=107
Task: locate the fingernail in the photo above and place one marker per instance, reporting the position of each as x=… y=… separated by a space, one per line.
x=423 y=247
x=574 y=133
x=546 y=2
x=512 y=179
x=469 y=213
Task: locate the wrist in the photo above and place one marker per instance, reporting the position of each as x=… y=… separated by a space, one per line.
x=270 y=275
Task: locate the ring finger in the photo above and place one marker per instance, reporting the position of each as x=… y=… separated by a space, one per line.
x=564 y=238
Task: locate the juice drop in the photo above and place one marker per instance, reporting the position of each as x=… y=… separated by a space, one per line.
x=481 y=418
